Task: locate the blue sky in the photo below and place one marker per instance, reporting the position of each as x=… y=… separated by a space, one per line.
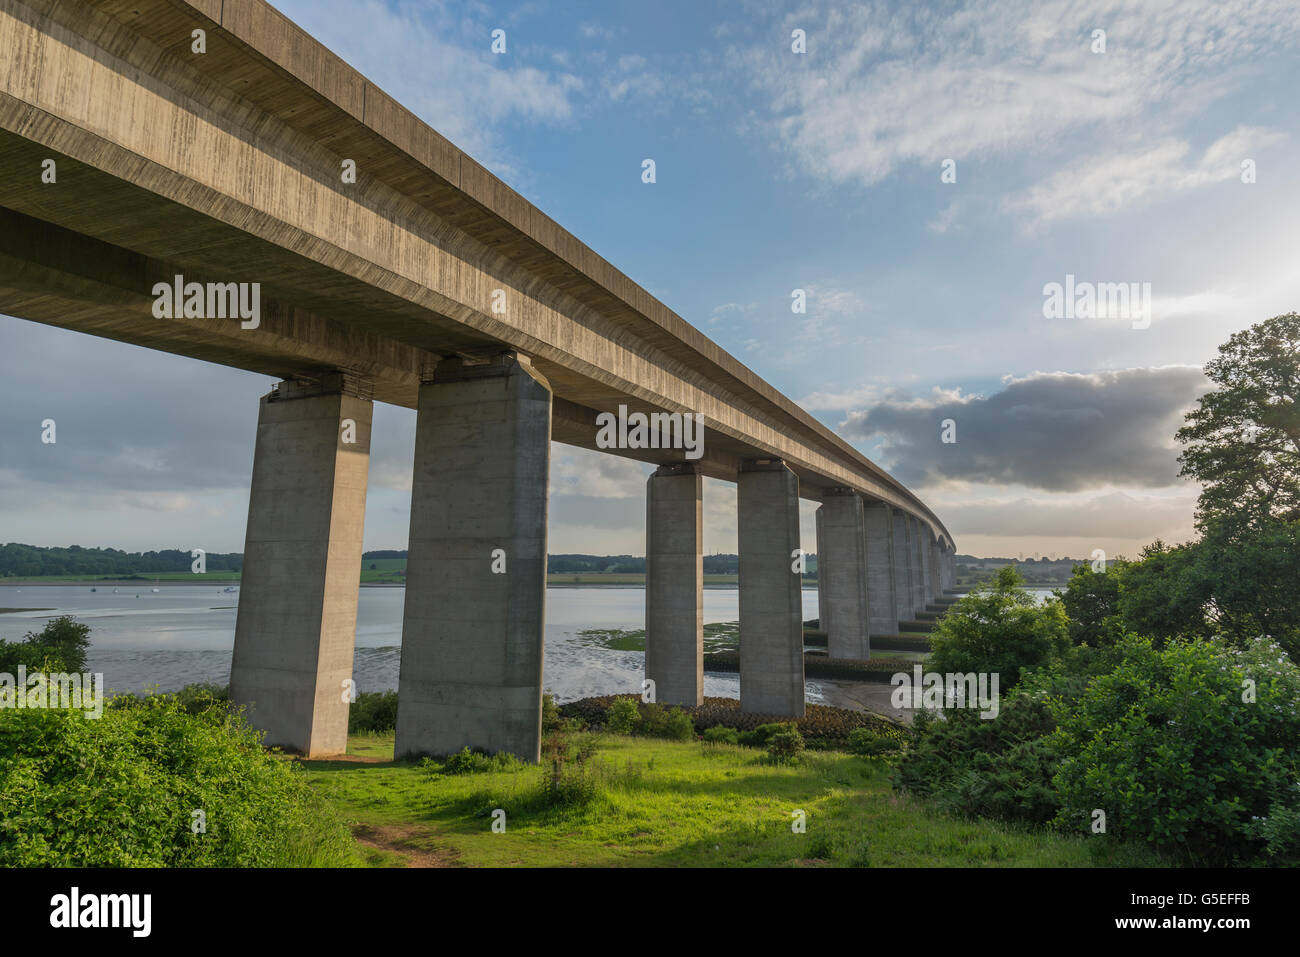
x=821 y=171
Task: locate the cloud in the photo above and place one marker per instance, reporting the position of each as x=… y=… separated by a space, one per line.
x=1107 y=184
x=887 y=85
x=1054 y=431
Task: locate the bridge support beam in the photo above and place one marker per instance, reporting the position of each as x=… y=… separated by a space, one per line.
x=674 y=599
x=842 y=565
x=883 y=618
x=472 y=631
x=771 y=626
x=936 y=570
x=901 y=526
x=296 y=625
x=917 y=559
x=949 y=568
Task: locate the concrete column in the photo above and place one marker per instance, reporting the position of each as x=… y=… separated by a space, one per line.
x=476 y=570
x=917 y=560
x=880 y=570
x=950 y=568
x=936 y=570
x=674 y=583
x=297 y=619
x=843 y=562
x=771 y=626
x=902 y=551
x=822 y=612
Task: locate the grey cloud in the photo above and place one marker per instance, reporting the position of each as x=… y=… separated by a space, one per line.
x=1053 y=431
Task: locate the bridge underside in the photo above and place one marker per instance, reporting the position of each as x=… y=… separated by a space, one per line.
x=224 y=167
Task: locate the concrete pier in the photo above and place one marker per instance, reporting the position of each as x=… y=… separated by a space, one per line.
x=842 y=565
x=883 y=613
x=471 y=669
x=902 y=545
x=674 y=582
x=296 y=624
x=921 y=557
x=916 y=557
x=771 y=626
x=936 y=570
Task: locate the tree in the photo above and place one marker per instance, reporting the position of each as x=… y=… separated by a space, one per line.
x=1091 y=600
x=998 y=629
x=1243 y=439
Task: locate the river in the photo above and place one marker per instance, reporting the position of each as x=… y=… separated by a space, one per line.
x=182 y=634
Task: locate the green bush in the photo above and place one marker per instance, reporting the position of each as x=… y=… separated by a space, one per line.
x=721 y=734
x=373 y=712
x=674 y=724
x=998 y=630
x=1171 y=746
x=997 y=767
x=822 y=727
x=761 y=735
x=623 y=717
x=466 y=761
x=59 y=646
x=785 y=747
x=868 y=742
x=120 y=791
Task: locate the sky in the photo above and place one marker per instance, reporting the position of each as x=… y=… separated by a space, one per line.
x=924 y=172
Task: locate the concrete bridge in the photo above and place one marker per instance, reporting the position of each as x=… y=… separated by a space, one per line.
x=154 y=147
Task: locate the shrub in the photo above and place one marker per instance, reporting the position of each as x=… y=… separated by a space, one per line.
x=466 y=761
x=373 y=712
x=785 y=746
x=761 y=735
x=623 y=717
x=59 y=646
x=550 y=713
x=999 y=767
x=674 y=724
x=999 y=630
x=721 y=734
x=120 y=791
x=821 y=726
x=868 y=742
x=1180 y=750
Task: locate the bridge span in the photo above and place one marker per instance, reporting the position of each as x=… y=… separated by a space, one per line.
x=212 y=154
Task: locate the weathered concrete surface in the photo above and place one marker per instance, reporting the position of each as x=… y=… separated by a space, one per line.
x=236 y=178
x=674 y=582
x=881 y=605
x=296 y=624
x=902 y=546
x=771 y=625
x=842 y=565
x=472 y=630
x=936 y=567
x=916 y=558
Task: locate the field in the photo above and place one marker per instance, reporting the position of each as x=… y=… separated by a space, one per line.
x=673 y=804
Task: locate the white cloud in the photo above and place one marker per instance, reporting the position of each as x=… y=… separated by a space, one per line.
x=1106 y=184
x=883 y=87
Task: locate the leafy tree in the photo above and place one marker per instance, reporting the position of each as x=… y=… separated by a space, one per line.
x=998 y=629
x=1243 y=439
x=1091 y=601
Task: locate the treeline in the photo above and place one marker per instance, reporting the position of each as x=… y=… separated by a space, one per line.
x=29 y=561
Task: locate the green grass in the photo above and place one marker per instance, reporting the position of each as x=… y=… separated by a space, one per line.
x=671 y=804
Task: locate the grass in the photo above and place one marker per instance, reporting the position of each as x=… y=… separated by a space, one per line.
x=674 y=804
